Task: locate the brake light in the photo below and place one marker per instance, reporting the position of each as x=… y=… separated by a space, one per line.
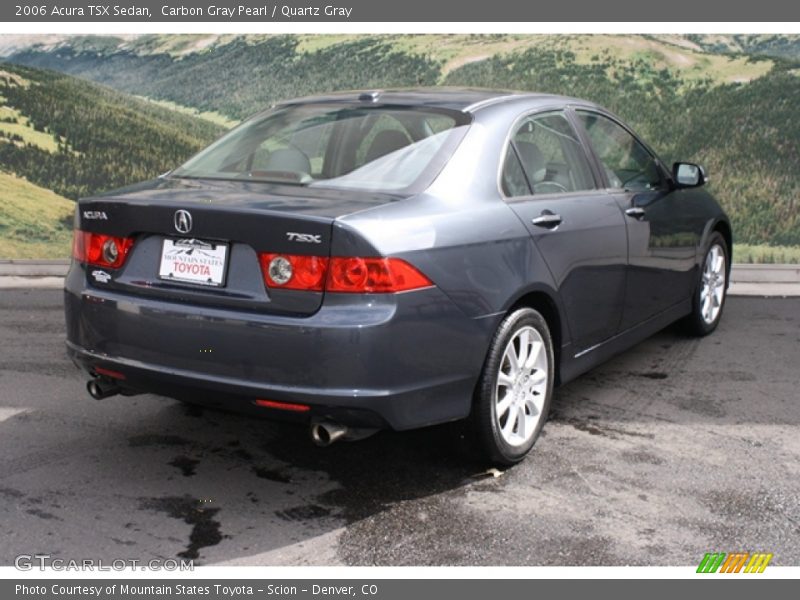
x=99 y=249
x=346 y=274
x=374 y=275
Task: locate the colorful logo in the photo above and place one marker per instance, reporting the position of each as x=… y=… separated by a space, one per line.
x=736 y=562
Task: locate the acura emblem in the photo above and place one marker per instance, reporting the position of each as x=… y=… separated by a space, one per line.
x=183 y=221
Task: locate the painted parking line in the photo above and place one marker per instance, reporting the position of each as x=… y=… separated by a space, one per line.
x=6 y=412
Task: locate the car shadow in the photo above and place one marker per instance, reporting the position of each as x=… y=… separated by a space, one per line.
x=221 y=472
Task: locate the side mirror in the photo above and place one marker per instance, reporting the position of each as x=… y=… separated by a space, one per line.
x=688 y=175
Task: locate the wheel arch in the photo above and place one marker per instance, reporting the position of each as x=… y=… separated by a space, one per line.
x=724 y=229
x=546 y=305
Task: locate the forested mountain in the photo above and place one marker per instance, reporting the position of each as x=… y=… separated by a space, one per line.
x=729 y=102
x=240 y=77
x=779 y=46
x=76 y=138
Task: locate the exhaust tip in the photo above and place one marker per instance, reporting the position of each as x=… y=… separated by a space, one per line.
x=325 y=433
x=98 y=390
x=94 y=390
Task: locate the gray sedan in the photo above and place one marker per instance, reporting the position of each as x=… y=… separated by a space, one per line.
x=395 y=259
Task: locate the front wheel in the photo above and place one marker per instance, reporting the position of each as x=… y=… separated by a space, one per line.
x=709 y=297
x=513 y=395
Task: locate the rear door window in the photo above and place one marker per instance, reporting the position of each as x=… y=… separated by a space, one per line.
x=545 y=157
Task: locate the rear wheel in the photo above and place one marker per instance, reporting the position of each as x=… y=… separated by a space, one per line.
x=709 y=297
x=513 y=396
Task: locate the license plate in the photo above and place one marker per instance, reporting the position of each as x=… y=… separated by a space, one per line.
x=193 y=261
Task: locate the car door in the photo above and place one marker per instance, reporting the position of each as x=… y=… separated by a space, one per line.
x=578 y=229
x=661 y=236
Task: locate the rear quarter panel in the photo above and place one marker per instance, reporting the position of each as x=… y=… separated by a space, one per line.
x=462 y=235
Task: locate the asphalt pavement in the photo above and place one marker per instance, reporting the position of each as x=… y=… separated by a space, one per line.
x=676 y=448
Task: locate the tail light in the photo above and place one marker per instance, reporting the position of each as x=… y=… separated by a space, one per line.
x=374 y=275
x=292 y=272
x=344 y=274
x=100 y=250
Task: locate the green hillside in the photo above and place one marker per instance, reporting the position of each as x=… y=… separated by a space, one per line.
x=729 y=102
x=76 y=138
x=34 y=222
x=779 y=46
x=240 y=77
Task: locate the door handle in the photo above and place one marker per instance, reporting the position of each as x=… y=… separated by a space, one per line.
x=635 y=212
x=548 y=220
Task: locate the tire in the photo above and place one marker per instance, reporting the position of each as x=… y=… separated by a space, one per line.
x=712 y=283
x=523 y=394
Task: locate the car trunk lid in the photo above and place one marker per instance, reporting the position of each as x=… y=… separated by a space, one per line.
x=198 y=241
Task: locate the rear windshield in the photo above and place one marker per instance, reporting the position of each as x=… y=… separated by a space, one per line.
x=381 y=148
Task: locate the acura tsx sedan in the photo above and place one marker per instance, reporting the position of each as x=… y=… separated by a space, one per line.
x=395 y=259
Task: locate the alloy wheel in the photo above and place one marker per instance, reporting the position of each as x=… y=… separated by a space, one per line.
x=712 y=292
x=521 y=388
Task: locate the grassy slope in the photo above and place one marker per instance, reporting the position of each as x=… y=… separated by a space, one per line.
x=78 y=138
x=691 y=63
x=208 y=115
x=21 y=127
x=33 y=220
x=698 y=56
x=13 y=123
x=778 y=46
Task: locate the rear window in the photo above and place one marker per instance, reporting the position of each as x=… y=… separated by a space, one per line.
x=381 y=148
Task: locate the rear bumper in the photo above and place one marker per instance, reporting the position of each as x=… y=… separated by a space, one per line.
x=400 y=361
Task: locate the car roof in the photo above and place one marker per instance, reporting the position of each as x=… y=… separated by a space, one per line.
x=468 y=100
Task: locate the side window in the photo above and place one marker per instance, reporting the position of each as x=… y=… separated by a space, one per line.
x=626 y=162
x=545 y=157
